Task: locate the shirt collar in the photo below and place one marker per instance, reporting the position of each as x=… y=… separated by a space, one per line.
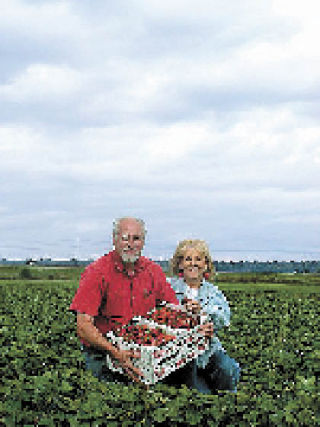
x=138 y=266
x=185 y=283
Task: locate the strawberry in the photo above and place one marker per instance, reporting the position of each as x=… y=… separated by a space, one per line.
x=173 y=318
x=141 y=334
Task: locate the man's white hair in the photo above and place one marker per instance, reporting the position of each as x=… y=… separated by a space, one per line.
x=116 y=225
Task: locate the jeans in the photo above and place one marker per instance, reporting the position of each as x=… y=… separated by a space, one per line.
x=95 y=361
x=221 y=373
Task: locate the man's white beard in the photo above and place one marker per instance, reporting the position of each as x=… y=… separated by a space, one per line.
x=129 y=258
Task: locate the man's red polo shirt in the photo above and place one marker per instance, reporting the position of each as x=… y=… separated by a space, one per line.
x=107 y=293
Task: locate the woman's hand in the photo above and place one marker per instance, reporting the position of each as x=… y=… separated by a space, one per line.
x=192 y=306
x=206 y=330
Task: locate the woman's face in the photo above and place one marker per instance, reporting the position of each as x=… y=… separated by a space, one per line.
x=193 y=265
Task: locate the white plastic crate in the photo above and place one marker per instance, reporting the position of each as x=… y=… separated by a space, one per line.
x=158 y=362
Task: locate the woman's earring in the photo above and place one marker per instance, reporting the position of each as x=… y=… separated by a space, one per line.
x=180 y=273
x=206 y=275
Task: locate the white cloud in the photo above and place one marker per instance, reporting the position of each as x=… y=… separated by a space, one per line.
x=40 y=19
x=175 y=142
x=42 y=82
x=262 y=148
x=16 y=147
x=202 y=119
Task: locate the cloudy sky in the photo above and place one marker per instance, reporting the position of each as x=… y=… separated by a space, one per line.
x=201 y=117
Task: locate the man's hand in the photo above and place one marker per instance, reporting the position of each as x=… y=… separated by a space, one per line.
x=123 y=357
x=206 y=330
x=88 y=332
x=192 y=306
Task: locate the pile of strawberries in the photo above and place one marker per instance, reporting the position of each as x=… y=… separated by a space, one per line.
x=144 y=335
x=173 y=318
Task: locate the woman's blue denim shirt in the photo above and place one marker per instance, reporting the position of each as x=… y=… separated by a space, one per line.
x=214 y=304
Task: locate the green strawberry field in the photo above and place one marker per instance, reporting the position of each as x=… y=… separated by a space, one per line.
x=274 y=335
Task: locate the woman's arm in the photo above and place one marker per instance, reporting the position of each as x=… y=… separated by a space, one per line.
x=215 y=304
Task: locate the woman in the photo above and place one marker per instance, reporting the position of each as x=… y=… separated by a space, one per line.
x=192 y=267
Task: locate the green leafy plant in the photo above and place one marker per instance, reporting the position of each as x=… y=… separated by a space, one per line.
x=273 y=335
x=25 y=273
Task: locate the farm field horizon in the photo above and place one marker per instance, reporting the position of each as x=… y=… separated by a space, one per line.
x=274 y=335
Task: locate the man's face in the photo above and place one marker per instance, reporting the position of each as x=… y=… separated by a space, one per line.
x=130 y=240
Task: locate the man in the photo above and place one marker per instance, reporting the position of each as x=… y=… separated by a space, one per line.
x=114 y=289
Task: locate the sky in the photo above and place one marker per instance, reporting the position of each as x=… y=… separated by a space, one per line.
x=202 y=118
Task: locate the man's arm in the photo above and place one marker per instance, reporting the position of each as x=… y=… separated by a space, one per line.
x=89 y=333
x=165 y=290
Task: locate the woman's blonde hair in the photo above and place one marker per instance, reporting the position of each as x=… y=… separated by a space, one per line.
x=199 y=245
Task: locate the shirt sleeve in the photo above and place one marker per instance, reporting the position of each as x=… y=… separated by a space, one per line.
x=89 y=294
x=165 y=292
x=216 y=306
x=178 y=288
